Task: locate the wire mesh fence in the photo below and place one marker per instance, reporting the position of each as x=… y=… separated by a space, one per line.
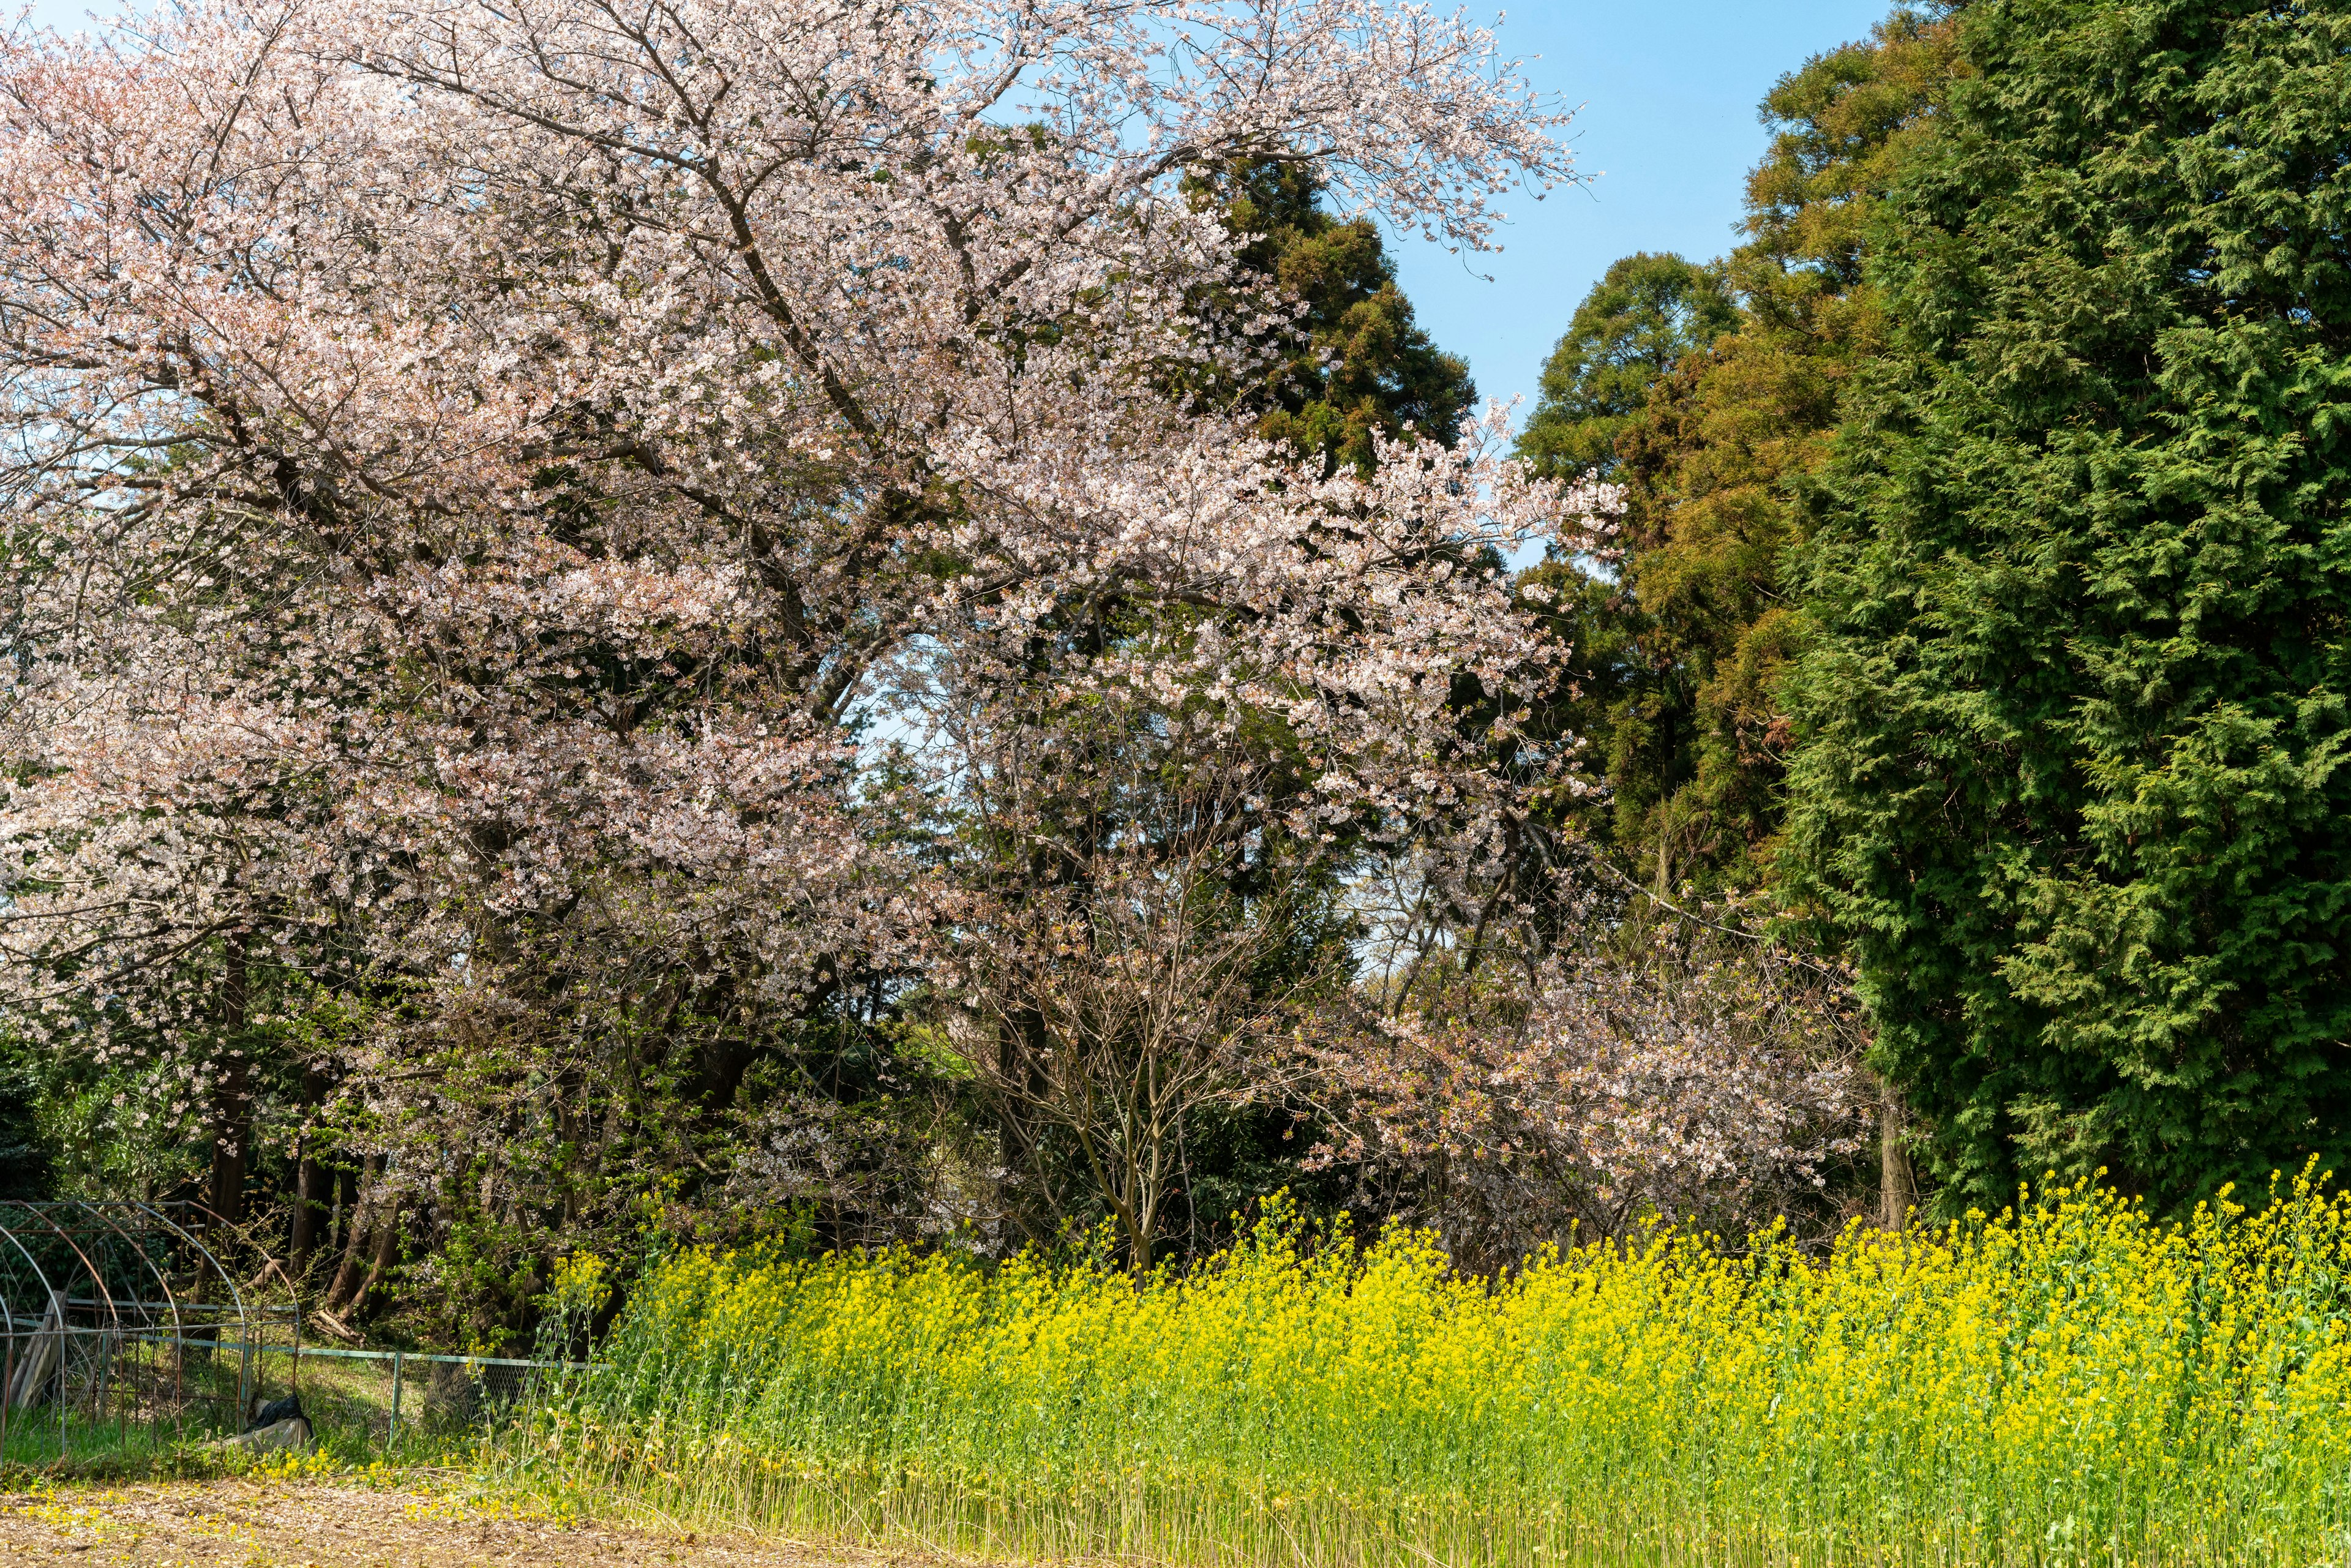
x=145 y=1394
x=383 y=1397
x=122 y=1334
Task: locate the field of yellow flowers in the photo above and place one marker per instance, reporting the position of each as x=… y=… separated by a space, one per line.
x=2069 y=1382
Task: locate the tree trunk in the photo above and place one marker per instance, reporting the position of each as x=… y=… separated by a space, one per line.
x=347 y=1209
x=346 y=1286
x=231 y=1109
x=311 y=1194
x=385 y=1253
x=311 y=1200
x=1021 y=1076
x=1895 y=1194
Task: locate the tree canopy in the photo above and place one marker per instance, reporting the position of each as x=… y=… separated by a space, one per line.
x=1645 y=315
x=1351 y=361
x=817 y=619
x=565 y=571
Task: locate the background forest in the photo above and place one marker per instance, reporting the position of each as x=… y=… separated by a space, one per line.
x=1053 y=756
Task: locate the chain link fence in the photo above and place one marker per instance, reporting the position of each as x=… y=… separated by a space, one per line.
x=122 y=1334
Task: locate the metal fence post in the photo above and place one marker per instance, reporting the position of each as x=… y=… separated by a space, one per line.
x=243 y=1379
x=391 y=1427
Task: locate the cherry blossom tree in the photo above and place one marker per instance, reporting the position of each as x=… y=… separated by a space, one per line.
x=1701 y=1075
x=1140 y=922
x=471 y=470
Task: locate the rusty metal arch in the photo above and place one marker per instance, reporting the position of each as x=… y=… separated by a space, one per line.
x=91 y=1270
x=101 y=1354
x=247 y=1327
x=8 y=1320
x=112 y=1328
x=220 y=1270
x=163 y=1280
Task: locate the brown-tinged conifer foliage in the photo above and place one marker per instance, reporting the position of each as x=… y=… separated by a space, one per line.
x=1683 y=645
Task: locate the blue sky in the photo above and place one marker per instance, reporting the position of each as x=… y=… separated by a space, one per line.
x=1668 y=125
x=1669 y=122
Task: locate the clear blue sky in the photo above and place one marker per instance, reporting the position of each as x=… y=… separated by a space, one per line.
x=1669 y=95
x=1669 y=123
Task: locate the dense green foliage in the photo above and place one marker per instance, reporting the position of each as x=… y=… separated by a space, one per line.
x=2076 y=716
x=1353 y=362
x=1640 y=321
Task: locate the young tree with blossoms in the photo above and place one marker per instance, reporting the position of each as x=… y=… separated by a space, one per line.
x=1712 y=1079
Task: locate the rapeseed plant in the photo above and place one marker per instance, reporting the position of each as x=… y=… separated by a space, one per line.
x=2070 y=1381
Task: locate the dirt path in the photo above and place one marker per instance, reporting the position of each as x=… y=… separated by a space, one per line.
x=291 y=1524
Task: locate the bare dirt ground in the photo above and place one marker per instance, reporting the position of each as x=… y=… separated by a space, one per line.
x=297 y=1524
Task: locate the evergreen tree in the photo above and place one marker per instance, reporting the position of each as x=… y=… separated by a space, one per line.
x=1712 y=434
x=2075 y=719
x=1640 y=321
x=1355 y=361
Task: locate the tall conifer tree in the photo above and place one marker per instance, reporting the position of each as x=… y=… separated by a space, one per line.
x=1354 y=360
x=2075 y=723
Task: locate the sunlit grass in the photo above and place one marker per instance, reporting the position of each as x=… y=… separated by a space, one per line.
x=154 y=1415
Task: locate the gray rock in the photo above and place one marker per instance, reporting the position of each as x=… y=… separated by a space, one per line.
x=294 y=1433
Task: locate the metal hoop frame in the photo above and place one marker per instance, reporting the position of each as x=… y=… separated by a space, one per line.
x=106 y=1317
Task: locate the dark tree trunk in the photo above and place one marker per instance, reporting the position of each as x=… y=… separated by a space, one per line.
x=384 y=1254
x=1019 y=1065
x=1895 y=1191
x=347 y=1208
x=231 y=1109
x=311 y=1179
x=345 y=1289
x=311 y=1197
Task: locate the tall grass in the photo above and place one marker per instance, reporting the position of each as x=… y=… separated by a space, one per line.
x=2071 y=1382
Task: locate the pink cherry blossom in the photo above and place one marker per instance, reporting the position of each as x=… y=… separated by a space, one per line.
x=471 y=469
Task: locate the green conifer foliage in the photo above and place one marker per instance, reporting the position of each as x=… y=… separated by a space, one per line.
x=1638 y=322
x=1359 y=363
x=1647 y=313
x=2075 y=720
